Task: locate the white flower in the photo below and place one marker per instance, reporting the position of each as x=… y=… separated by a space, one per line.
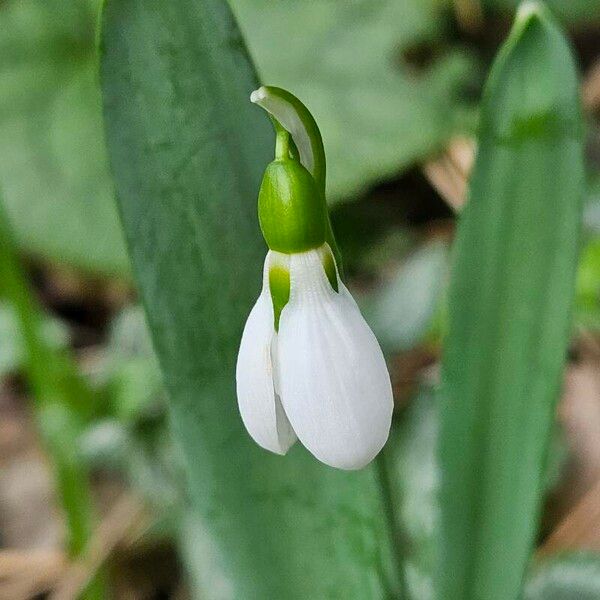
x=322 y=377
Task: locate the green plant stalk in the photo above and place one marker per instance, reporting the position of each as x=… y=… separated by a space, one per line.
x=510 y=312
x=57 y=391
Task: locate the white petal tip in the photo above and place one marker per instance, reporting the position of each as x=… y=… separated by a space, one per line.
x=274 y=435
x=349 y=466
x=350 y=457
x=257 y=96
x=281 y=448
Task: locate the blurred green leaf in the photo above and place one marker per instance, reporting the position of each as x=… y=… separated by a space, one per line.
x=591 y=215
x=134 y=440
x=188 y=150
x=129 y=336
x=347 y=61
x=131 y=371
x=62 y=401
x=572 y=576
x=12 y=354
x=413 y=461
x=587 y=300
x=509 y=312
x=402 y=311
x=411 y=454
x=573 y=10
x=557 y=458
x=52 y=158
x=10 y=351
x=105 y=443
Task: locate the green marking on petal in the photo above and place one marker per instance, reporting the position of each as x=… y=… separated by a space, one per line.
x=279 y=285
x=329 y=265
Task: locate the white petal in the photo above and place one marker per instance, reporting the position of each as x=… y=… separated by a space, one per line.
x=259 y=404
x=335 y=386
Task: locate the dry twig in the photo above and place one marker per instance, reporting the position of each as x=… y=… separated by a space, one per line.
x=123 y=518
x=590 y=90
x=449 y=172
x=579 y=530
x=25 y=574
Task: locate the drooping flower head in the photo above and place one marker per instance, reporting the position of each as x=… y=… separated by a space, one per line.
x=309 y=367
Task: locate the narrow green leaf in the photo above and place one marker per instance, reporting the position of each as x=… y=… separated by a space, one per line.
x=12 y=353
x=187 y=150
x=62 y=401
x=587 y=302
x=415 y=476
x=510 y=304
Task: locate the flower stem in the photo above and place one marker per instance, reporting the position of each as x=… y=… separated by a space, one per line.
x=396 y=536
x=282 y=141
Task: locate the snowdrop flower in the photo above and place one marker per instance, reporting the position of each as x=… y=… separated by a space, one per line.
x=309 y=367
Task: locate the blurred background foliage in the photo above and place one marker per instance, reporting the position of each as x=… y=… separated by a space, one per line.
x=395 y=86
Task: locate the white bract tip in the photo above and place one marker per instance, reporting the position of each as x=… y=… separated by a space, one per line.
x=287 y=114
x=258 y=95
x=528 y=8
x=329 y=370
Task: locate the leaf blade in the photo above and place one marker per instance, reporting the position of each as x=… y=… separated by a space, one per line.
x=516 y=249
x=187 y=150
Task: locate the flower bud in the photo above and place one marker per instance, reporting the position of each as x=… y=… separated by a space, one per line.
x=291 y=210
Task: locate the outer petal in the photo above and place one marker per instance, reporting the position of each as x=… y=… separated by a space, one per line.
x=335 y=386
x=259 y=404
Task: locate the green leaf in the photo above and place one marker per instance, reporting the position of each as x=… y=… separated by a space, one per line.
x=591 y=215
x=587 y=302
x=509 y=311
x=403 y=310
x=413 y=462
x=574 y=10
x=12 y=355
x=376 y=114
x=411 y=454
x=61 y=397
x=188 y=150
x=52 y=157
x=131 y=371
x=572 y=576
